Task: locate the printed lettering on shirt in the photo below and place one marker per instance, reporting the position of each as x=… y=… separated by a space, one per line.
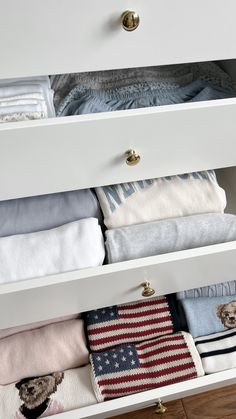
x=115 y=195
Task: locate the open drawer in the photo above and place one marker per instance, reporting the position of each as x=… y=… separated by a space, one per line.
x=91 y=288
x=88 y=35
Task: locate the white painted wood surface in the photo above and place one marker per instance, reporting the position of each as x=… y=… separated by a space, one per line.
x=39 y=157
x=147 y=398
x=64 y=36
x=79 y=291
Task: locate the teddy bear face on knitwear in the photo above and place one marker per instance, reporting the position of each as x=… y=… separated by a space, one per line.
x=227 y=314
x=35 y=392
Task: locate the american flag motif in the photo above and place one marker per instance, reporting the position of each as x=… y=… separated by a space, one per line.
x=129 y=323
x=129 y=369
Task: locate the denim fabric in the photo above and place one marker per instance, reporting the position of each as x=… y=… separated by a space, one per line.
x=140 y=95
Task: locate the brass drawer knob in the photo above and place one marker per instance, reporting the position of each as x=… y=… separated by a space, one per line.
x=132 y=158
x=147 y=290
x=160 y=407
x=130 y=20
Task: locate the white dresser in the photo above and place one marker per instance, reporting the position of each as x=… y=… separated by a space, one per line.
x=60 y=154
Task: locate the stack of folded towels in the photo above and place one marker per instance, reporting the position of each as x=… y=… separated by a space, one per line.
x=24 y=99
x=139 y=346
x=50 y=234
x=113 y=90
x=156 y=216
x=211 y=318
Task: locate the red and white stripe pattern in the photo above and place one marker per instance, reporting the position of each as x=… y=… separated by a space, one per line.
x=133 y=322
x=129 y=369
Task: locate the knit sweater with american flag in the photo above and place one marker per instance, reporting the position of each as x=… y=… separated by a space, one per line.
x=131 y=322
x=129 y=369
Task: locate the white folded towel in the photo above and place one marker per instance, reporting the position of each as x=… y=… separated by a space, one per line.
x=14 y=92
x=69 y=247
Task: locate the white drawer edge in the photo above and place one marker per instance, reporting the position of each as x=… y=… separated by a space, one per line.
x=117 y=114
x=105 y=270
x=147 y=398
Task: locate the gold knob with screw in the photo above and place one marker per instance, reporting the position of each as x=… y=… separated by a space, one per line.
x=132 y=158
x=147 y=290
x=160 y=409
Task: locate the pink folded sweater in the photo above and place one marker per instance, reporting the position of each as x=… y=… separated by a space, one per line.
x=30 y=326
x=56 y=347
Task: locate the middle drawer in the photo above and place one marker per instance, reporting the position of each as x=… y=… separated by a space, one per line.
x=91 y=288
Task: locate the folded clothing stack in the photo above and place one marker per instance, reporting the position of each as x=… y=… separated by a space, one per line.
x=132 y=322
x=137 y=347
x=214 y=307
x=72 y=246
x=141 y=87
x=169 y=235
x=156 y=199
x=155 y=216
x=213 y=314
x=129 y=369
x=49 y=234
x=56 y=376
x=26 y=98
x=217 y=351
x=55 y=347
x=43 y=396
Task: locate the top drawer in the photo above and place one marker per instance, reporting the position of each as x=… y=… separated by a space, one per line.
x=64 y=36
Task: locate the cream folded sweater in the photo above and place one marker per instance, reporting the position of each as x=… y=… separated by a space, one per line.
x=157 y=199
x=61 y=391
x=66 y=248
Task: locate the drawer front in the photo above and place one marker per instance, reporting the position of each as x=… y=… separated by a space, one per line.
x=78 y=291
x=67 y=36
x=147 y=398
x=89 y=150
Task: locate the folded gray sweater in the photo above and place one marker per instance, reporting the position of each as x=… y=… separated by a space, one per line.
x=154 y=238
x=36 y=213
